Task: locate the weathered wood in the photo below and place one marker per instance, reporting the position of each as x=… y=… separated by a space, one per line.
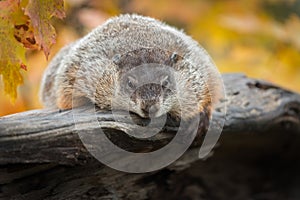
x=42 y=157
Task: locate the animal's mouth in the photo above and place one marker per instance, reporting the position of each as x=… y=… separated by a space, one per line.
x=153 y=112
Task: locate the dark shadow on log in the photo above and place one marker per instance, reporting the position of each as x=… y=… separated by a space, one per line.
x=42 y=157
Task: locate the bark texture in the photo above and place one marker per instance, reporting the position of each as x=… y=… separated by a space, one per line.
x=42 y=156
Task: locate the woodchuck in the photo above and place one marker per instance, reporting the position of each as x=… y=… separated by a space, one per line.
x=134 y=63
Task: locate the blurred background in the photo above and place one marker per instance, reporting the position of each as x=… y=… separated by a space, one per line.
x=258 y=38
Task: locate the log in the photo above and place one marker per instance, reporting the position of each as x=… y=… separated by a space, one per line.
x=42 y=156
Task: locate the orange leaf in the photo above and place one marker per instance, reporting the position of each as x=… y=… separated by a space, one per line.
x=40 y=13
x=23 y=66
x=24 y=34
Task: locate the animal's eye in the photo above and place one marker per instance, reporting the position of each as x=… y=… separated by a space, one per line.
x=165 y=83
x=116 y=59
x=174 y=57
x=130 y=84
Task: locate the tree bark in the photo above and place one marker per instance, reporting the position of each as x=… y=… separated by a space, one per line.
x=42 y=156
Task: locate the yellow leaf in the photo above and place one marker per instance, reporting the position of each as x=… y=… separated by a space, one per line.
x=12 y=53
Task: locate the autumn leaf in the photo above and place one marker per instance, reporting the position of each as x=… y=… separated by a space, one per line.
x=12 y=53
x=19 y=30
x=40 y=13
x=24 y=34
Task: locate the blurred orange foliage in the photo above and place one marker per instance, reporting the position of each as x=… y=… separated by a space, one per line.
x=257 y=38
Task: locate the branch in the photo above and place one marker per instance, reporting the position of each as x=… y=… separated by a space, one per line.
x=45 y=142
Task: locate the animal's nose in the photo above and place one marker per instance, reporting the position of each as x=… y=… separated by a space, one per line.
x=150 y=110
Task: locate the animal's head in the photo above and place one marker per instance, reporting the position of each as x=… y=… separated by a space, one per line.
x=148 y=90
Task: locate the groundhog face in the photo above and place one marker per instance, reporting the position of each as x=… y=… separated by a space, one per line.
x=148 y=90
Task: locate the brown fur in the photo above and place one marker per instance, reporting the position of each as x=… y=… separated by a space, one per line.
x=93 y=67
